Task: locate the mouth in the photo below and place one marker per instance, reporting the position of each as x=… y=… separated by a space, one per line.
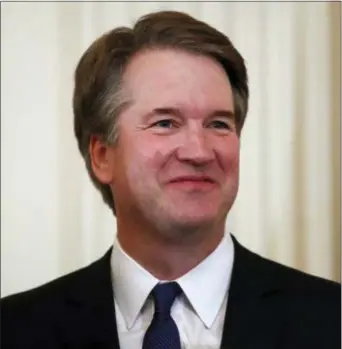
x=192 y=179
x=193 y=182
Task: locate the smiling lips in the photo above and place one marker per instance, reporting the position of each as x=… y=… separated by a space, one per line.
x=193 y=182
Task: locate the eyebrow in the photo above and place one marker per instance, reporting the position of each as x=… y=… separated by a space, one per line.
x=177 y=112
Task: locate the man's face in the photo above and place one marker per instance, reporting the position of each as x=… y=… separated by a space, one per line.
x=177 y=157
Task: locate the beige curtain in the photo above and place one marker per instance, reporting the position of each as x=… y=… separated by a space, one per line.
x=288 y=208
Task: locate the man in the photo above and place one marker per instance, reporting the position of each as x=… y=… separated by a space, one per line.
x=158 y=114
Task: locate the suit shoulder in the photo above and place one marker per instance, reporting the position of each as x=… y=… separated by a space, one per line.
x=271 y=273
x=298 y=282
x=49 y=293
x=35 y=317
x=42 y=294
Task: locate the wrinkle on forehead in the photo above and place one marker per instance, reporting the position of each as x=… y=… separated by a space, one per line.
x=168 y=78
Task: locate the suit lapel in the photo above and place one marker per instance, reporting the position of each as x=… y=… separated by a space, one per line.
x=254 y=313
x=253 y=316
x=90 y=308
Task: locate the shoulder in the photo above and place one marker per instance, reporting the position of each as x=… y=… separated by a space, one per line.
x=307 y=306
x=268 y=273
x=44 y=316
x=304 y=296
x=26 y=317
x=49 y=298
x=29 y=312
x=310 y=307
x=49 y=292
x=296 y=283
x=293 y=288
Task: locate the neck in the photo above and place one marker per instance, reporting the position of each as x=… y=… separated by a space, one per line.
x=164 y=257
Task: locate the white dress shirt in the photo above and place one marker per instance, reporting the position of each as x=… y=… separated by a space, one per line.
x=199 y=312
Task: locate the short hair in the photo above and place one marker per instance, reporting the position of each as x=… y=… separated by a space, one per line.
x=97 y=97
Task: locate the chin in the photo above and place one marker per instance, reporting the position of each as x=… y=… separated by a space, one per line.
x=192 y=219
x=185 y=216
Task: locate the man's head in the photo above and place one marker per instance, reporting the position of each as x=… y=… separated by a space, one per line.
x=158 y=113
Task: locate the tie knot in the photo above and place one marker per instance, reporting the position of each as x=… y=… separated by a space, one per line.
x=164 y=295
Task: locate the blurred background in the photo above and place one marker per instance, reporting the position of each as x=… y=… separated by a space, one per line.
x=288 y=208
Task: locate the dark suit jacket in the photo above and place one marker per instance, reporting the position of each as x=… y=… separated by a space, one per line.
x=269 y=306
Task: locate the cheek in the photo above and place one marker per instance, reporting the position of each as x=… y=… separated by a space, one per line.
x=229 y=155
x=145 y=155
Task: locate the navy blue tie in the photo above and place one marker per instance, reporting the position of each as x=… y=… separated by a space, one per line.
x=163 y=332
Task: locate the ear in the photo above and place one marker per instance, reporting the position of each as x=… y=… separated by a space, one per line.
x=102 y=160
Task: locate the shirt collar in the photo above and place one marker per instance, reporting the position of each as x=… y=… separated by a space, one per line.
x=205 y=286
x=132 y=284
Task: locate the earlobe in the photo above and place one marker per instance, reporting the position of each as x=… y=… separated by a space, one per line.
x=101 y=160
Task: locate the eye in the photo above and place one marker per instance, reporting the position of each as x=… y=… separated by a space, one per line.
x=220 y=124
x=165 y=123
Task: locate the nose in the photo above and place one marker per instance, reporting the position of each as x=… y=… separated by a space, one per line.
x=196 y=148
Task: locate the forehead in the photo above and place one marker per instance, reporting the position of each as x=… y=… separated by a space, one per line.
x=184 y=80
